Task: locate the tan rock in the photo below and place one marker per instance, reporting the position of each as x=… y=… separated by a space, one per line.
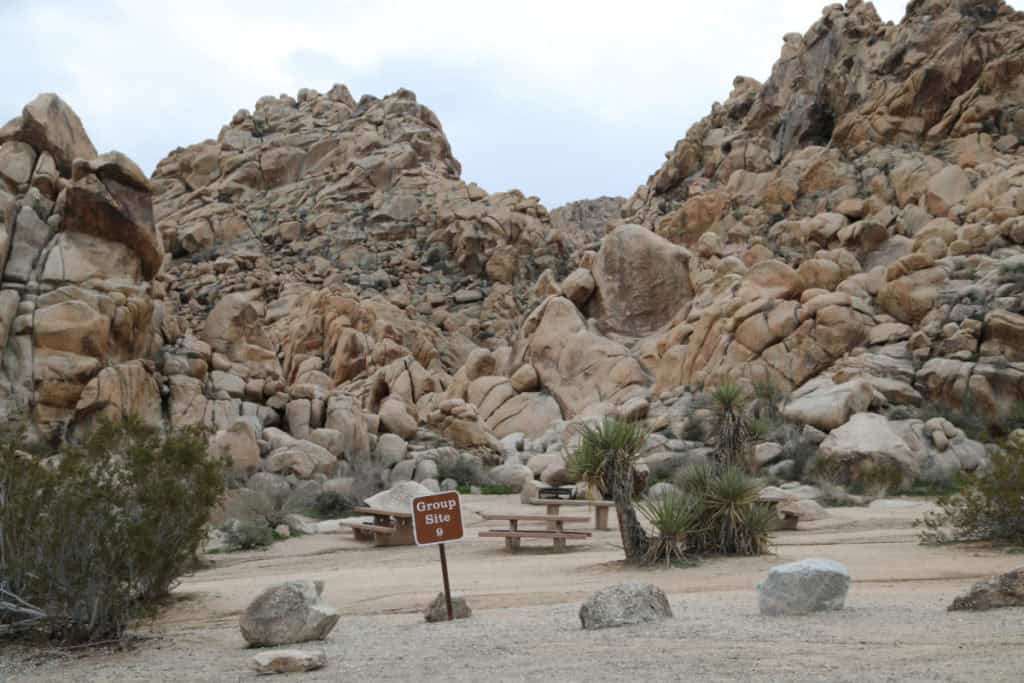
x=49 y=124
x=946 y=189
x=578 y=286
x=117 y=392
x=577 y=366
x=525 y=379
x=642 y=280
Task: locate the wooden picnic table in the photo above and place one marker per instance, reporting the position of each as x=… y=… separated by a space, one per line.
x=388 y=528
x=601 y=507
x=555 y=530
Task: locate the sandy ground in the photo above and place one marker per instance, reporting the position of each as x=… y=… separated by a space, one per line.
x=525 y=624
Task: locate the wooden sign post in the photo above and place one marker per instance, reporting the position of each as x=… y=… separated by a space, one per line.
x=436 y=520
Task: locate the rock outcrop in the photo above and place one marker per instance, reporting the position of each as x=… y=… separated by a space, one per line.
x=80 y=313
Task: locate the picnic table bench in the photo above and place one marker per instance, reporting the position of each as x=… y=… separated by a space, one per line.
x=387 y=529
x=601 y=507
x=555 y=530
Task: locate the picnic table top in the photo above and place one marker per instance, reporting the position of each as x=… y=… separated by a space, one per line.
x=533 y=533
x=560 y=501
x=533 y=518
x=382 y=513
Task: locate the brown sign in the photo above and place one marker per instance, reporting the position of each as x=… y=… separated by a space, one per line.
x=437 y=518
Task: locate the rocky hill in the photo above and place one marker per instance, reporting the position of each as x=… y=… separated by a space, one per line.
x=319 y=286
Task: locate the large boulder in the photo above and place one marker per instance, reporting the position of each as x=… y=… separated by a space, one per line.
x=238 y=445
x=288 y=613
x=868 y=448
x=803 y=587
x=1005 y=590
x=49 y=125
x=623 y=605
x=642 y=280
x=825 y=405
x=110 y=199
x=577 y=366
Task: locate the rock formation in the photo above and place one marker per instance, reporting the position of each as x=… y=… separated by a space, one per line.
x=80 y=312
x=319 y=286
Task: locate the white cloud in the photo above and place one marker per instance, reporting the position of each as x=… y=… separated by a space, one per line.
x=563 y=98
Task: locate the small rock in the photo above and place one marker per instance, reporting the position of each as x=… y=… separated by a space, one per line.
x=437 y=610
x=804 y=587
x=1005 y=590
x=287 y=661
x=288 y=613
x=623 y=605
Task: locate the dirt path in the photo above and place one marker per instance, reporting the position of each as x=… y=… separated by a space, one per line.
x=525 y=626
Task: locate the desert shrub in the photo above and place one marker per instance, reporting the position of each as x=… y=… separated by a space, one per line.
x=1016 y=418
x=96 y=533
x=246 y=535
x=863 y=478
x=694 y=430
x=270 y=500
x=967 y=417
x=466 y=471
x=768 y=398
x=796 y=448
x=731 y=425
x=990 y=506
x=675 y=516
x=333 y=505
x=732 y=519
x=488 y=489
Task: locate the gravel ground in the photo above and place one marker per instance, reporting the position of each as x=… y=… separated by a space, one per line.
x=525 y=628
x=895 y=632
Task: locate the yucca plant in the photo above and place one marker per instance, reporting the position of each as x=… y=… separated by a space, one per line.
x=675 y=516
x=739 y=523
x=731 y=425
x=768 y=397
x=733 y=520
x=605 y=459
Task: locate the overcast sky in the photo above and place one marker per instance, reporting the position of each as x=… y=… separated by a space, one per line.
x=563 y=99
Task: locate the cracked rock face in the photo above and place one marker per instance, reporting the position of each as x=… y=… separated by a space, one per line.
x=79 y=252
x=318 y=285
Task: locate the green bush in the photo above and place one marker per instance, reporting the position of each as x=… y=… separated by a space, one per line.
x=96 y=533
x=733 y=520
x=990 y=506
x=675 y=516
x=731 y=425
x=467 y=471
x=488 y=489
x=247 y=535
x=332 y=505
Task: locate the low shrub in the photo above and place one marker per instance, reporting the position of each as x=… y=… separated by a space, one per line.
x=246 y=535
x=675 y=516
x=333 y=505
x=467 y=471
x=488 y=489
x=96 y=533
x=731 y=425
x=990 y=506
x=729 y=518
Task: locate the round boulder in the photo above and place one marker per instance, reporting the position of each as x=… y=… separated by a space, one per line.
x=804 y=587
x=623 y=605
